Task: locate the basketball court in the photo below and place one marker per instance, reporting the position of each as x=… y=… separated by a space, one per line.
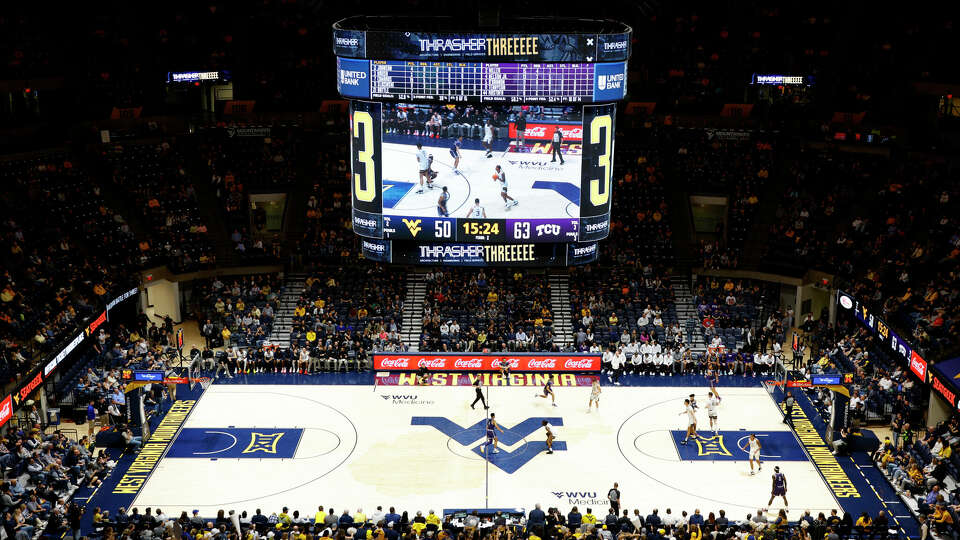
x=244 y=447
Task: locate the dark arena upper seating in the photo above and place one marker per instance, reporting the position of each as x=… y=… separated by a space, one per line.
x=784 y=211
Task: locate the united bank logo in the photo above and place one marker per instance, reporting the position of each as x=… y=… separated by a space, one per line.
x=518 y=444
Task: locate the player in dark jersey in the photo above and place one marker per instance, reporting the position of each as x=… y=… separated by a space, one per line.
x=442 y=203
x=713 y=377
x=779 y=487
x=491 y=431
x=548 y=391
x=455 y=154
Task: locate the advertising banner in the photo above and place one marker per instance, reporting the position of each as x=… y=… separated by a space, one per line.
x=486 y=362
x=878 y=327
x=543 y=131
x=407 y=45
x=6 y=410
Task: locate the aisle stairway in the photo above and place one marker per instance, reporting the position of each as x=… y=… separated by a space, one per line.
x=411 y=322
x=560 y=305
x=687 y=313
x=293 y=286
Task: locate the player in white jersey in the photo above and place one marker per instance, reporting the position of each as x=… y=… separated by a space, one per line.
x=423 y=163
x=477 y=211
x=753 y=448
x=442 y=203
x=712 y=403
x=488 y=138
x=594 y=394
x=501 y=176
x=691 y=421
x=548 y=431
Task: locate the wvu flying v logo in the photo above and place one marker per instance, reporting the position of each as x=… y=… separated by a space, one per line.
x=413 y=225
x=507 y=460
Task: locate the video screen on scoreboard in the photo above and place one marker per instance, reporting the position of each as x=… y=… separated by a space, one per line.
x=478 y=155
x=462 y=173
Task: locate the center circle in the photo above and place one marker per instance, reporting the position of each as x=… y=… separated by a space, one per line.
x=466 y=451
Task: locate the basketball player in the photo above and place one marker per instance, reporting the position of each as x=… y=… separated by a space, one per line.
x=501 y=176
x=713 y=378
x=477 y=211
x=693 y=402
x=423 y=164
x=549 y=433
x=753 y=448
x=492 y=428
x=779 y=487
x=479 y=389
x=455 y=153
x=712 y=402
x=548 y=391
x=691 y=421
x=594 y=394
x=442 y=203
x=488 y=138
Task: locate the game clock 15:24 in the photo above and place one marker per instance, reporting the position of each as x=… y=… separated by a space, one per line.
x=482 y=230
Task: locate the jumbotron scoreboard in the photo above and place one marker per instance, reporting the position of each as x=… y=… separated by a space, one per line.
x=481 y=148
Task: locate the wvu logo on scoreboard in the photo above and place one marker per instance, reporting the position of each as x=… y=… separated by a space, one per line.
x=518 y=444
x=413 y=225
x=231 y=442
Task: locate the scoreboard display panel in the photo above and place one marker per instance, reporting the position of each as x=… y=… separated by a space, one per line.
x=503 y=174
x=485 y=82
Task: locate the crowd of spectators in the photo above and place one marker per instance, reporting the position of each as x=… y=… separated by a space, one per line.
x=552 y=524
x=64 y=250
x=328 y=237
x=158 y=182
x=346 y=313
x=887 y=227
x=728 y=163
x=236 y=310
x=640 y=216
x=493 y=309
x=740 y=314
x=923 y=467
x=881 y=387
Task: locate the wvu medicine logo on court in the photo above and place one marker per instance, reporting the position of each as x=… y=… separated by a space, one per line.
x=509 y=461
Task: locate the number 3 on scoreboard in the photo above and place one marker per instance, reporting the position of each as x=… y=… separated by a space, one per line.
x=364 y=186
x=600 y=187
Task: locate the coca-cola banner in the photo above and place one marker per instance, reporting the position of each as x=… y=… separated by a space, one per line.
x=486 y=362
x=537 y=131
